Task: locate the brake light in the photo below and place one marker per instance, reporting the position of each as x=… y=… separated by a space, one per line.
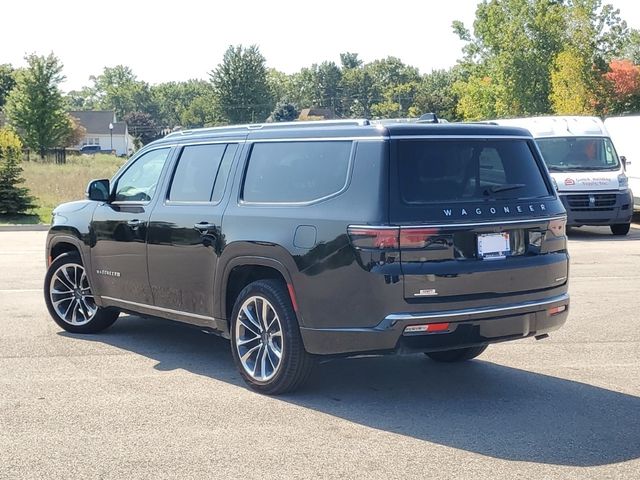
x=416 y=237
x=558 y=227
x=379 y=238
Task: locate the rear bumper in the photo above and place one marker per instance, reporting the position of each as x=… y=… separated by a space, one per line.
x=466 y=328
x=590 y=208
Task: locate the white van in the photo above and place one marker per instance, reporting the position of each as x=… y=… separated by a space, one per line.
x=583 y=162
x=625 y=133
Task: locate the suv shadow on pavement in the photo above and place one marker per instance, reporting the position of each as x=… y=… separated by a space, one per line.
x=479 y=406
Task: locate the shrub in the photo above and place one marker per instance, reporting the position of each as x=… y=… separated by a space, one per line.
x=14 y=199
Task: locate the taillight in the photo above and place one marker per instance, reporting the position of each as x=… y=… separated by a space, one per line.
x=390 y=237
x=379 y=238
x=416 y=237
x=558 y=227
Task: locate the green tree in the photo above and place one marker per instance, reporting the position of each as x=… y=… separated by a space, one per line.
x=35 y=107
x=349 y=60
x=83 y=99
x=395 y=86
x=516 y=44
x=14 y=199
x=175 y=99
x=359 y=92
x=284 y=112
x=435 y=94
x=280 y=85
x=477 y=98
x=571 y=92
x=142 y=127
x=241 y=86
x=7 y=82
x=119 y=89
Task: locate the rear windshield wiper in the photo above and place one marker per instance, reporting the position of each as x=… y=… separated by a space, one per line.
x=503 y=188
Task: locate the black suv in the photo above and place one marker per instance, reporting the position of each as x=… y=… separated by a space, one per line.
x=321 y=239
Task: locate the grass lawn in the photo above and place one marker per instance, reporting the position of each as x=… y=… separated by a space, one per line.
x=53 y=184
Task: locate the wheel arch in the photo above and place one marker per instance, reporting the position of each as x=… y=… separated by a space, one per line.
x=241 y=271
x=61 y=244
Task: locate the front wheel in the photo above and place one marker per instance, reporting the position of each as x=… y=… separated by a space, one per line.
x=457 y=355
x=620 y=228
x=265 y=339
x=70 y=300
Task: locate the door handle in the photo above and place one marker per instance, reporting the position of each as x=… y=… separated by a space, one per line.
x=134 y=223
x=204 y=227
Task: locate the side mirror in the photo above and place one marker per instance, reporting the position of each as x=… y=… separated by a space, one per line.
x=624 y=161
x=98 y=190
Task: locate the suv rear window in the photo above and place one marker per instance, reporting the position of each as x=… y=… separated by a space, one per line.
x=467 y=170
x=293 y=172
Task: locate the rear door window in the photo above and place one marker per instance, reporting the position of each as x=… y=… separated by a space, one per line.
x=431 y=171
x=197 y=172
x=296 y=172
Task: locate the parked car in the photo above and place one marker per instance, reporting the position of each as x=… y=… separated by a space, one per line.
x=313 y=240
x=90 y=149
x=582 y=160
x=624 y=132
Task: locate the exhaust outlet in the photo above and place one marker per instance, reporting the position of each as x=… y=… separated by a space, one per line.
x=542 y=337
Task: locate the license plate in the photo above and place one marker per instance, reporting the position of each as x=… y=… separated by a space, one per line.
x=493 y=246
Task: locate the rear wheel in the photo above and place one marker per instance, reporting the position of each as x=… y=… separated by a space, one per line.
x=620 y=228
x=265 y=339
x=70 y=300
x=457 y=355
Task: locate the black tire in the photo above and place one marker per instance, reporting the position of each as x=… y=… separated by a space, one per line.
x=458 y=355
x=294 y=365
x=75 y=296
x=620 y=228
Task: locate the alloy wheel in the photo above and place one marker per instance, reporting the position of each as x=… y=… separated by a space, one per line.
x=71 y=295
x=258 y=338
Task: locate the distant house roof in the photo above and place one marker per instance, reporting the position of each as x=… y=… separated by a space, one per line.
x=97 y=121
x=316 y=113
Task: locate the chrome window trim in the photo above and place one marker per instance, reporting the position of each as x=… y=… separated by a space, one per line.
x=316 y=139
x=159 y=309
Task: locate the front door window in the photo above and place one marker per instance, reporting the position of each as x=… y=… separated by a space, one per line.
x=138 y=183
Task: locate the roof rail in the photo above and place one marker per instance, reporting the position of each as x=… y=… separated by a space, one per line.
x=269 y=126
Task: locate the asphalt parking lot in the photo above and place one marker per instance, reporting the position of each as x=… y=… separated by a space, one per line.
x=154 y=399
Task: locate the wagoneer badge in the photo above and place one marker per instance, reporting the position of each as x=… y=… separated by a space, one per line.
x=532 y=207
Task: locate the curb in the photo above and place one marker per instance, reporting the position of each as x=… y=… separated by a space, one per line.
x=24 y=228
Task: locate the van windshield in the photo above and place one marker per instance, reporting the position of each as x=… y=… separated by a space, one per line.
x=564 y=154
x=468 y=170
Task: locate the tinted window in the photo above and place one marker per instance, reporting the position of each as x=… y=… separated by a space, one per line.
x=138 y=183
x=196 y=173
x=296 y=171
x=467 y=170
x=578 y=153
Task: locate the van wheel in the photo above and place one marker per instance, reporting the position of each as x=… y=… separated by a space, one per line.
x=265 y=339
x=457 y=355
x=70 y=300
x=620 y=228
